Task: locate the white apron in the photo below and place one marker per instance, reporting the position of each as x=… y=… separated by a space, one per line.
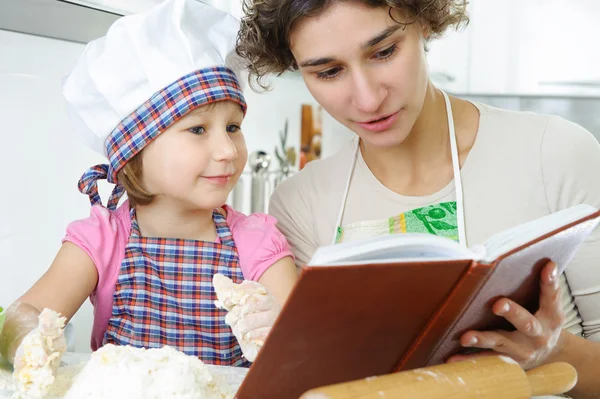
x=445 y=219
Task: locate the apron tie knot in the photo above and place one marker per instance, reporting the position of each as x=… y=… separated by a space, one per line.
x=88 y=184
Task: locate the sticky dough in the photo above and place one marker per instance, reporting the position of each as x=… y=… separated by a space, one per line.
x=236 y=299
x=42 y=350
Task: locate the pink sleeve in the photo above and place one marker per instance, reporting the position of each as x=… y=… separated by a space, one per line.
x=102 y=236
x=259 y=243
x=95 y=235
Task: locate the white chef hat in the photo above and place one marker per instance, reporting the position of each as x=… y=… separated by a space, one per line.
x=146 y=73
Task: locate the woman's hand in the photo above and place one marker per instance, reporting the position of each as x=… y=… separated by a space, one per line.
x=537 y=338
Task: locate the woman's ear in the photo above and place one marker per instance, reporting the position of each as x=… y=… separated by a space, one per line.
x=425 y=31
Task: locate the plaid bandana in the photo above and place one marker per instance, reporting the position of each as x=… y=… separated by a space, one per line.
x=166 y=107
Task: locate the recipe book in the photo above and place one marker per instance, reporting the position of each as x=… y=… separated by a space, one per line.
x=391 y=303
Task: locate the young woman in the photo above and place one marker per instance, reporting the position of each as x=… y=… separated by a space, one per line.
x=424 y=161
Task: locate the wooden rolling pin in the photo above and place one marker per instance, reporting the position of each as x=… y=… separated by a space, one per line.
x=490 y=377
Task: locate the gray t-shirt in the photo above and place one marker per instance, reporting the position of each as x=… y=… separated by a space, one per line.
x=522 y=166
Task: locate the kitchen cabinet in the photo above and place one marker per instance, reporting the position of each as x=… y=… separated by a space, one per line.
x=535 y=47
x=492 y=65
x=55 y=19
x=522 y=47
x=557 y=47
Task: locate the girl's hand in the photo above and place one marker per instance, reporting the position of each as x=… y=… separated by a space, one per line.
x=251 y=312
x=38 y=356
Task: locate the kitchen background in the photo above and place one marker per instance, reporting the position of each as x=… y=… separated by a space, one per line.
x=532 y=55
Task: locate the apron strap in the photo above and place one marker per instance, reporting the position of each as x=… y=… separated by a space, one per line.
x=340 y=216
x=460 y=206
x=88 y=184
x=223 y=231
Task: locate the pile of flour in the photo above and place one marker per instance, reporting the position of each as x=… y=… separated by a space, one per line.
x=124 y=372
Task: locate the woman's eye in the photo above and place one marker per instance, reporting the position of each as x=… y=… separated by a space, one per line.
x=329 y=74
x=387 y=53
x=197 y=130
x=233 y=128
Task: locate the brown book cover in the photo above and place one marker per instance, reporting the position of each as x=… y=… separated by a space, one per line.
x=514 y=275
x=343 y=323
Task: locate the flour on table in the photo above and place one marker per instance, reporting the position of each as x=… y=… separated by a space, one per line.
x=125 y=372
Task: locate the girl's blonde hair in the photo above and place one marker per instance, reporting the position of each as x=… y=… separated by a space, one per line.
x=130 y=177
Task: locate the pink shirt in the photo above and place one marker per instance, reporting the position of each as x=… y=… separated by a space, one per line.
x=104 y=234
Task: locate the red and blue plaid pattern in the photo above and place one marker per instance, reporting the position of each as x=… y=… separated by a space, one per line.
x=89 y=185
x=166 y=107
x=164 y=296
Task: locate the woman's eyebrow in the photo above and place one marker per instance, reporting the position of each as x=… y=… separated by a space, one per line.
x=312 y=62
x=381 y=37
x=317 y=61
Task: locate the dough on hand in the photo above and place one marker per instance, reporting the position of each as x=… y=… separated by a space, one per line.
x=237 y=300
x=125 y=372
x=40 y=354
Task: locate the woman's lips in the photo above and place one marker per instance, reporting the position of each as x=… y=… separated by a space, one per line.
x=381 y=124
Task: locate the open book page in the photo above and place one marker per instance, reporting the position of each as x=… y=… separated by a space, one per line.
x=426 y=247
x=390 y=249
x=513 y=238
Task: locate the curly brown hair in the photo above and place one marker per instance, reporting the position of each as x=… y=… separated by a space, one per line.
x=264 y=37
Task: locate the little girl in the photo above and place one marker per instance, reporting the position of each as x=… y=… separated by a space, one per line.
x=160 y=97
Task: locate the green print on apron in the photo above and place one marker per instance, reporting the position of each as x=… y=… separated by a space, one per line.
x=444 y=219
x=438 y=219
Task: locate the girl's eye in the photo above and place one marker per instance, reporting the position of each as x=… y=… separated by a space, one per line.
x=387 y=53
x=233 y=128
x=197 y=130
x=329 y=74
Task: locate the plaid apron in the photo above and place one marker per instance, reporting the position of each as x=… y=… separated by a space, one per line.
x=164 y=295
